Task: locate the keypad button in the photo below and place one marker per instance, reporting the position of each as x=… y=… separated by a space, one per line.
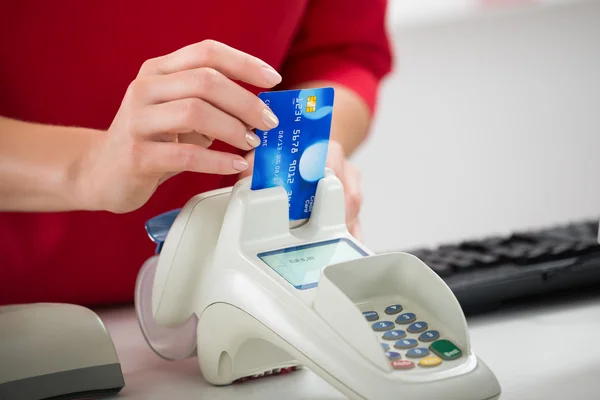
x=393 y=355
x=382 y=326
x=429 y=336
x=431 y=361
x=371 y=315
x=385 y=346
x=417 y=327
x=402 y=364
x=445 y=349
x=394 y=335
x=418 y=352
x=406 y=344
x=406 y=318
x=394 y=309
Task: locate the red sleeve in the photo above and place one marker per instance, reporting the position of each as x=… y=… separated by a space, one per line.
x=344 y=41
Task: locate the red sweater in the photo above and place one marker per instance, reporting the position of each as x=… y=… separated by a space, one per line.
x=69 y=62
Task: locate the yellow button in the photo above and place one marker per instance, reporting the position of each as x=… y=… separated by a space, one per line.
x=430 y=361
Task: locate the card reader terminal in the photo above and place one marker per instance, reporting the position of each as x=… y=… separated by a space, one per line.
x=235 y=287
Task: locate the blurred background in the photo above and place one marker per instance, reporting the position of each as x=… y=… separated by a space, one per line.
x=489 y=124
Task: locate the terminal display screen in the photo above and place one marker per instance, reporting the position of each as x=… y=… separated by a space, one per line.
x=301 y=265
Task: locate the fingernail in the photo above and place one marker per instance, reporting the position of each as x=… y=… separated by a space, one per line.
x=271 y=75
x=252 y=139
x=240 y=165
x=269 y=118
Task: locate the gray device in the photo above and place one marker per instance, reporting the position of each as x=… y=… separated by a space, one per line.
x=58 y=351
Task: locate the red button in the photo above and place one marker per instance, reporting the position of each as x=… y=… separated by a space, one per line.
x=402 y=364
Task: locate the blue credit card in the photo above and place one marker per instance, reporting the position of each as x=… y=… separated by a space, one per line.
x=293 y=154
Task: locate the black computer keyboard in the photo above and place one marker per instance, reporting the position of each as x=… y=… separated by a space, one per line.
x=487 y=272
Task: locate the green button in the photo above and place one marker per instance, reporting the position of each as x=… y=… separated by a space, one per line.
x=445 y=349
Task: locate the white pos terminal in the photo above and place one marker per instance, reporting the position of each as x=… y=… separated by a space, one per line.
x=235 y=286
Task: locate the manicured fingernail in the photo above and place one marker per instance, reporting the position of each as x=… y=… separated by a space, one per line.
x=271 y=75
x=252 y=139
x=240 y=165
x=269 y=118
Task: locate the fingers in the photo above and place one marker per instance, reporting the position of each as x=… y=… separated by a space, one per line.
x=232 y=63
x=172 y=158
x=194 y=116
x=212 y=86
x=249 y=157
x=195 y=138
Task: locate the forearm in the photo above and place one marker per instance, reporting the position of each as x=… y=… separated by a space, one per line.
x=40 y=165
x=351 y=116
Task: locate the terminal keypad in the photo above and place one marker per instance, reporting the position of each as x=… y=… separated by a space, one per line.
x=408 y=341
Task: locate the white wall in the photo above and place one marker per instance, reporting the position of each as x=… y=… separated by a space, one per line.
x=490 y=123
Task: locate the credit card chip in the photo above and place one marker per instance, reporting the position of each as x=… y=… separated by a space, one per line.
x=311 y=104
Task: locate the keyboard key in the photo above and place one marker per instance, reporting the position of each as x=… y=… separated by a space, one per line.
x=385 y=346
x=418 y=352
x=393 y=355
x=417 y=327
x=584 y=247
x=402 y=364
x=562 y=249
x=429 y=362
x=445 y=349
x=382 y=326
x=519 y=250
x=429 y=336
x=484 y=244
x=510 y=255
x=371 y=315
x=536 y=254
x=494 y=241
x=394 y=335
x=406 y=344
x=406 y=318
x=394 y=309
x=486 y=259
x=448 y=248
x=462 y=263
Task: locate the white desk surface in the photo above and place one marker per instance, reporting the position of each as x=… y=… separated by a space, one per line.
x=546 y=350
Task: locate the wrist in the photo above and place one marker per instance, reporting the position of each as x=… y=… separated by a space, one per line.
x=79 y=178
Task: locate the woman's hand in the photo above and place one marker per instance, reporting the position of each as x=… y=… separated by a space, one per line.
x=347 y=173
x=177 y=105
